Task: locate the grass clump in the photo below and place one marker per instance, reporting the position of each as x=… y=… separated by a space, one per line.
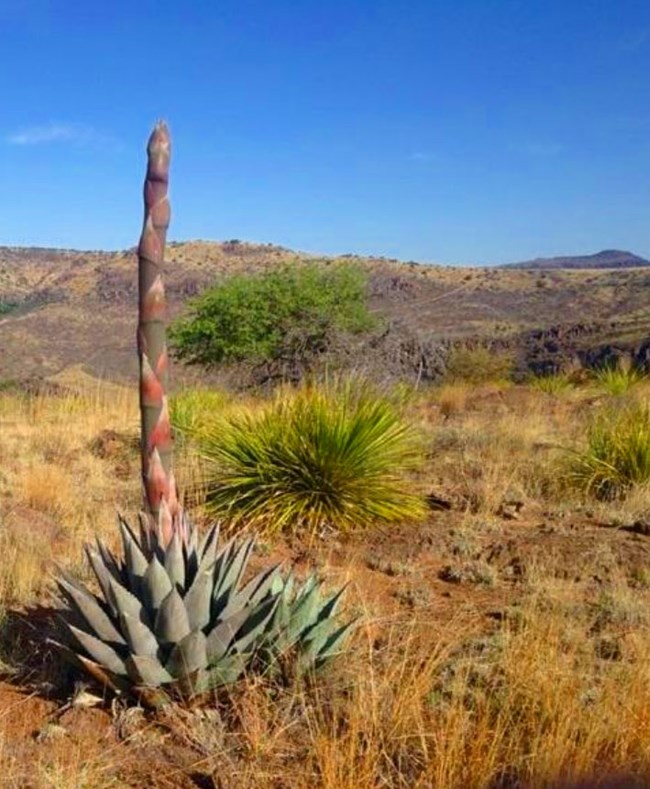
x=617 y=456
x=552 y=383
x=618 y=380
x=333 y=455
x=192 y=409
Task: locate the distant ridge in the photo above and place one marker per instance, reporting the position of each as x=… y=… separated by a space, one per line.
x=608 y=258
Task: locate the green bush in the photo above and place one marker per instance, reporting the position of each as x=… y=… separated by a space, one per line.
x=478 y=365
x=332 y=455
x=618 y=452
x=286 y=314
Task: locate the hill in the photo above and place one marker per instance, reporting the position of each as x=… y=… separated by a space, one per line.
x=65 y=308
x=608 y=258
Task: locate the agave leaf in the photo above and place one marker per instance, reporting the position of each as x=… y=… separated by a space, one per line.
x=329 y=607
x=234 y=569
x=317 y=637
x=146 y=543
x=260 y=586
x=255 y=624
x=134 y=559
x=221 y=637
x=102 y=575
x=104 y=654
x=208 y=546
x=127 y=603
x=172 y=623
x=175 y=563
x=156 y=586
x=228 y=670
x=303 y=614
x=188 y=655
x=139 y=637
x=334 y=643
x=111 y=562
x=146 y=670
x=97 y=672
x=91 y=611
x=199 y=596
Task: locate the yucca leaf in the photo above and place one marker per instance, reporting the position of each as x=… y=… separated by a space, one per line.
x=91 y=611
x=188 y=655
x=172 y=622
x=99 y=651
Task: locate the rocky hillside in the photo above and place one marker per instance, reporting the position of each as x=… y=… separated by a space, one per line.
x=62 y=309
x=608 y=258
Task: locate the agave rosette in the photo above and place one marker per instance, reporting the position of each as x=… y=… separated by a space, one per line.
x=173 y=619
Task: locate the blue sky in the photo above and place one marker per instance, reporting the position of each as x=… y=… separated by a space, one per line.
x=456 y=131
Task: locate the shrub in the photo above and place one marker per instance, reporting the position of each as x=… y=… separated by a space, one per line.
x=286 y=315
x=618 y=452
x=618 y=380
x=478 y=365
x=333 y=455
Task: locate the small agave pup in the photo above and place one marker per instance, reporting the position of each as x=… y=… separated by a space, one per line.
x=173 y=617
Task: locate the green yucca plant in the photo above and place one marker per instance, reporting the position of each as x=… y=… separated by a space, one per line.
x=331 y=455
x=173 y=619
x=618 y=380
x=617 y=456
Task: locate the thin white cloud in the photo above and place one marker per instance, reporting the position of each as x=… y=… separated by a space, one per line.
x=49 y=133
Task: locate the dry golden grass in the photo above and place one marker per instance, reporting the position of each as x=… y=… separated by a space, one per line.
x=437 y=695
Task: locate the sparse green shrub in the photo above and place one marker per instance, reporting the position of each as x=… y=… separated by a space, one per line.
x=618 y=452
x=618 y=380
x=552 y=383
x=478 y=365
x=288 y=314
x=331 y=455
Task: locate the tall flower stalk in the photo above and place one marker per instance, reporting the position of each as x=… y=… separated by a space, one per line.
x=161 y=500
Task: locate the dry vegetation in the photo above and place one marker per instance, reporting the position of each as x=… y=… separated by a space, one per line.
x=505 y=636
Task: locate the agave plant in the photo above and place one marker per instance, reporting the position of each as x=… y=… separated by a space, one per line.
x=303 y=633
x=173 y=619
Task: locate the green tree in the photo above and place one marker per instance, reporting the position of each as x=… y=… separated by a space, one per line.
x=289 y=315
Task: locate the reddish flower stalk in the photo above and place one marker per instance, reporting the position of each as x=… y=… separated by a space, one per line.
x=161 y=501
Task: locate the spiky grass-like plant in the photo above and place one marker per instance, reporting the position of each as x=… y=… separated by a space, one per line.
x=331 y=455
x=174 y=620
x=617 y=456
x=552 y=383
x=618 y=380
